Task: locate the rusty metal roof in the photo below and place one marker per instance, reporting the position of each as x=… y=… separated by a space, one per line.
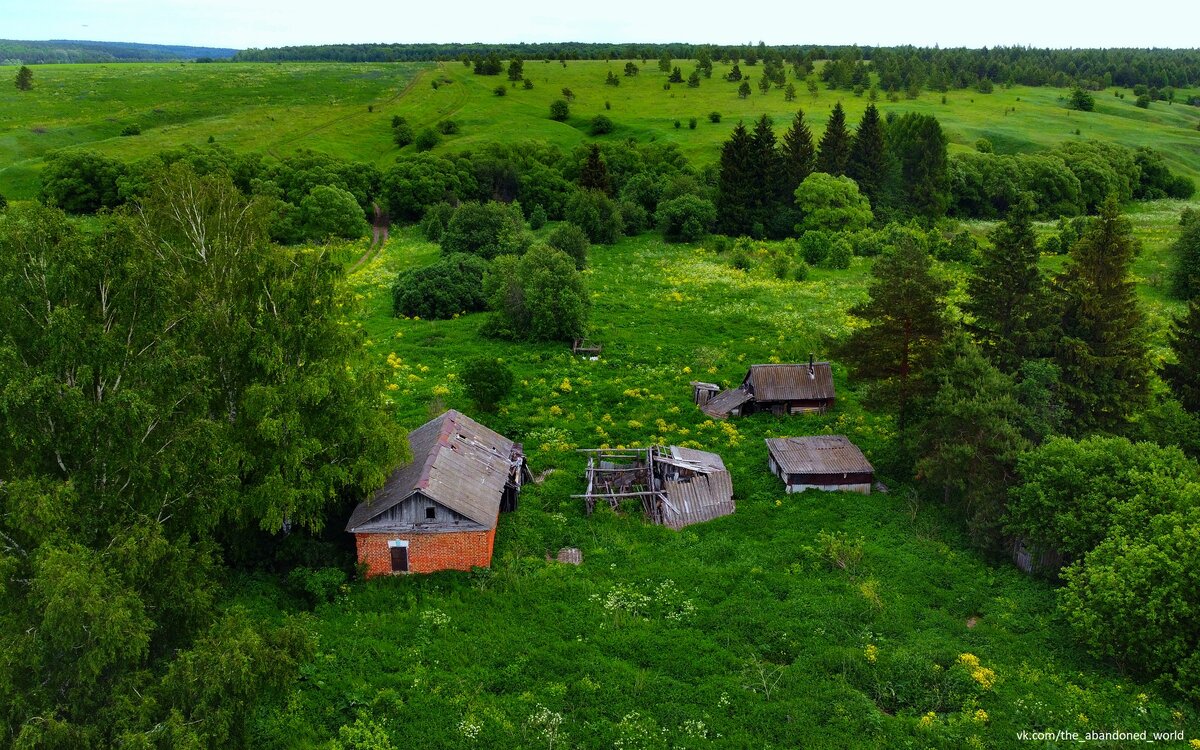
x=790 y=382
x=818 y=454
x=457 y=462
x=723 y=403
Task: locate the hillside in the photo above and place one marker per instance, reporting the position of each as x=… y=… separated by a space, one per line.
x=13 y=51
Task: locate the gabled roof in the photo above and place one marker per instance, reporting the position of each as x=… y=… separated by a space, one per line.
x=457 y=462
x=818 y=454
x=790 y=382
x=723 y=403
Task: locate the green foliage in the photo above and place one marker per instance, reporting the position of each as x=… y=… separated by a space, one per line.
x=1183 y=375
x=416 y=183
x=596 y=214
x=81 y=182
x=1102 y=353
x=485 y=229
x=1081 y=100
x=363 y=734
x=450 y=286
x=833 y=156
x=799 y=155
x=869 y=164
x=687 y=218
x=714 y=117
x=447 y=127
x=24 y=79
x=488 y=381
x=318 y=586
x=402 y=131
x=131 y=129
x=904 y=322
x=537 y=217
x=601 y=125
x=427 y=140
x=572 y=240
x=332 y=212
x=918 y=145
x=1185 y=276
x=433 y=223
x=559 y=110
x=539 y=296
x=831 y=204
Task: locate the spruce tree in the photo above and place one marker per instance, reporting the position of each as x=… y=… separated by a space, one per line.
x=868 y=163
x=664 y=62
x=799 y=156
x=766 y=168
x=970 y=436
x=1009 y=296
x=735 y=185
x=1183 y=375
x=1103 y=355
x=24 y=79
x=904 y=324
x=834 y=152
x=594 y=173
x=1186 y=274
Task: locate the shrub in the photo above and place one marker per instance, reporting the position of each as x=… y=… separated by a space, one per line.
x=740 y=257
x=433 y=223
x=634 y=218
x=596 y=214
x=402 y=132
x=781 y=266
x=691 y=123
x=3 y=202
x=500 y=90
x=601 y=124
x=1143 y=101
x=413 y=184
x=452 y=285
x=332 y=212
x=571 y=240
x=678 y=124
x=485 y=229
x=537 y=217
x=316 y=586
x=559 y=111
x=962 y=248
x=427 y=139
x=487 y=381
x=447 y=127
x=131 y=129
x=538 y=296
x=831 y=203
x=815 y=246
x=839 y=254
x=714 y=116
x=81 y=181
x=984 y=146
x=687 y=218
x=527 y=84
x=800 y=271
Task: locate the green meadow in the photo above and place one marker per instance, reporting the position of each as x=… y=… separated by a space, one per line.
x=345 y=109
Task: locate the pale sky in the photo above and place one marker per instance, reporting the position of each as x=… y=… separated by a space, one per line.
x=272 y=23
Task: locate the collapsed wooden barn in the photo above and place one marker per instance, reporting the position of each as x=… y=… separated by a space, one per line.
x=439 y=511
x=780 y=389
x=820 y=462
x=677 y=486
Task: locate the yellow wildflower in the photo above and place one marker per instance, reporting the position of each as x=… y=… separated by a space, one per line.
x=927 y=721
x=565 y=386
x=687 y=371
x=556 y=410
x=871 y=651
x=981 y=716
x=441 y=390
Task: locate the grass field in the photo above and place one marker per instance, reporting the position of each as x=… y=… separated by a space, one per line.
x=728 y=634
x=324 y=106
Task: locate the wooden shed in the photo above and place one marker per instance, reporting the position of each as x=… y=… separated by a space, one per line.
x=820 y=462
x=780 y=389
x=439 y=512
x=677 y=486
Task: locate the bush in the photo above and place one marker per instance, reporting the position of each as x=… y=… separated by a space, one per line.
x=634 y=218
x=571 y=240
x=687 y=218
x=332 y=212
x=402 y=132
x=678 y=124
x=839 y=254
x=81 y=182
x=527 y=84
x=427 y=139
x=487 y=381
x=832 y=204
x=596 y=214
x=500 y=90
x=537 y=217
x=962 y=248
x=1143 y=101
x=131 y=129
x=486 y=229
x=815 y=247
x=691 y=123
x=433 y=223
x=413 y=184
x=714 y=116
x=800 y=271
x=316 y=586
x=539 y=296
x=3 y=202
x=781 y=266
x=447 y=127
x=452 y=285
x=559 y=111
x=601 y=124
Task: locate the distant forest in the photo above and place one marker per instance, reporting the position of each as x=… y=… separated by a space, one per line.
x=1090 y=68
x=68 y=51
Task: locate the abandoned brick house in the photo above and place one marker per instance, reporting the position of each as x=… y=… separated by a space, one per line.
x=439 y=512
x=820 y=462
x=780 y=389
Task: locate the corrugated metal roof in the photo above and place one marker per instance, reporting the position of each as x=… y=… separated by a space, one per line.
x=702 y=497
x=723 y=403
x=790 y=382
x=818 y=454
x=457 y=462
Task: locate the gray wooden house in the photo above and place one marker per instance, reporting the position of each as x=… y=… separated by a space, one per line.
x=820 y=462
x=780 y=389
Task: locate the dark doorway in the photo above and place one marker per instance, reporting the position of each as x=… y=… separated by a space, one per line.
x=399 y=559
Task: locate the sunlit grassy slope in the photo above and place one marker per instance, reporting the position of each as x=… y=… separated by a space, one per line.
x=324 y=106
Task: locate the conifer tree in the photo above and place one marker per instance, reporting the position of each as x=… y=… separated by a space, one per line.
x=834 y=152
x=1102 y=354
x=676 y=76
x=868 y=163
x=24 y=79
x=766 y=167
x=789 y=93
x=744 y=90
x=799 y=156
x=1183 y=375
x=1186 y=275
x=735 y=185
x=664 y=62
x=1009 y=296
x=594 y=173
x=904 y=324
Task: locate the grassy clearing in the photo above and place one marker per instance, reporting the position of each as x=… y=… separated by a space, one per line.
x=323 y=106
x=729 y=634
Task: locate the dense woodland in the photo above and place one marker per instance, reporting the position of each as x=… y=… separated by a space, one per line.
x=185 y=395
x=66 y=51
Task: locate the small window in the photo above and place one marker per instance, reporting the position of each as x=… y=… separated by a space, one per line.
x=430 y=513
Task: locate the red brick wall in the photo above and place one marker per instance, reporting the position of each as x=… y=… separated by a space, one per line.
x=453 y=550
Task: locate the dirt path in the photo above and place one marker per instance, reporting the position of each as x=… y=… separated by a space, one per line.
x=379 y=237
